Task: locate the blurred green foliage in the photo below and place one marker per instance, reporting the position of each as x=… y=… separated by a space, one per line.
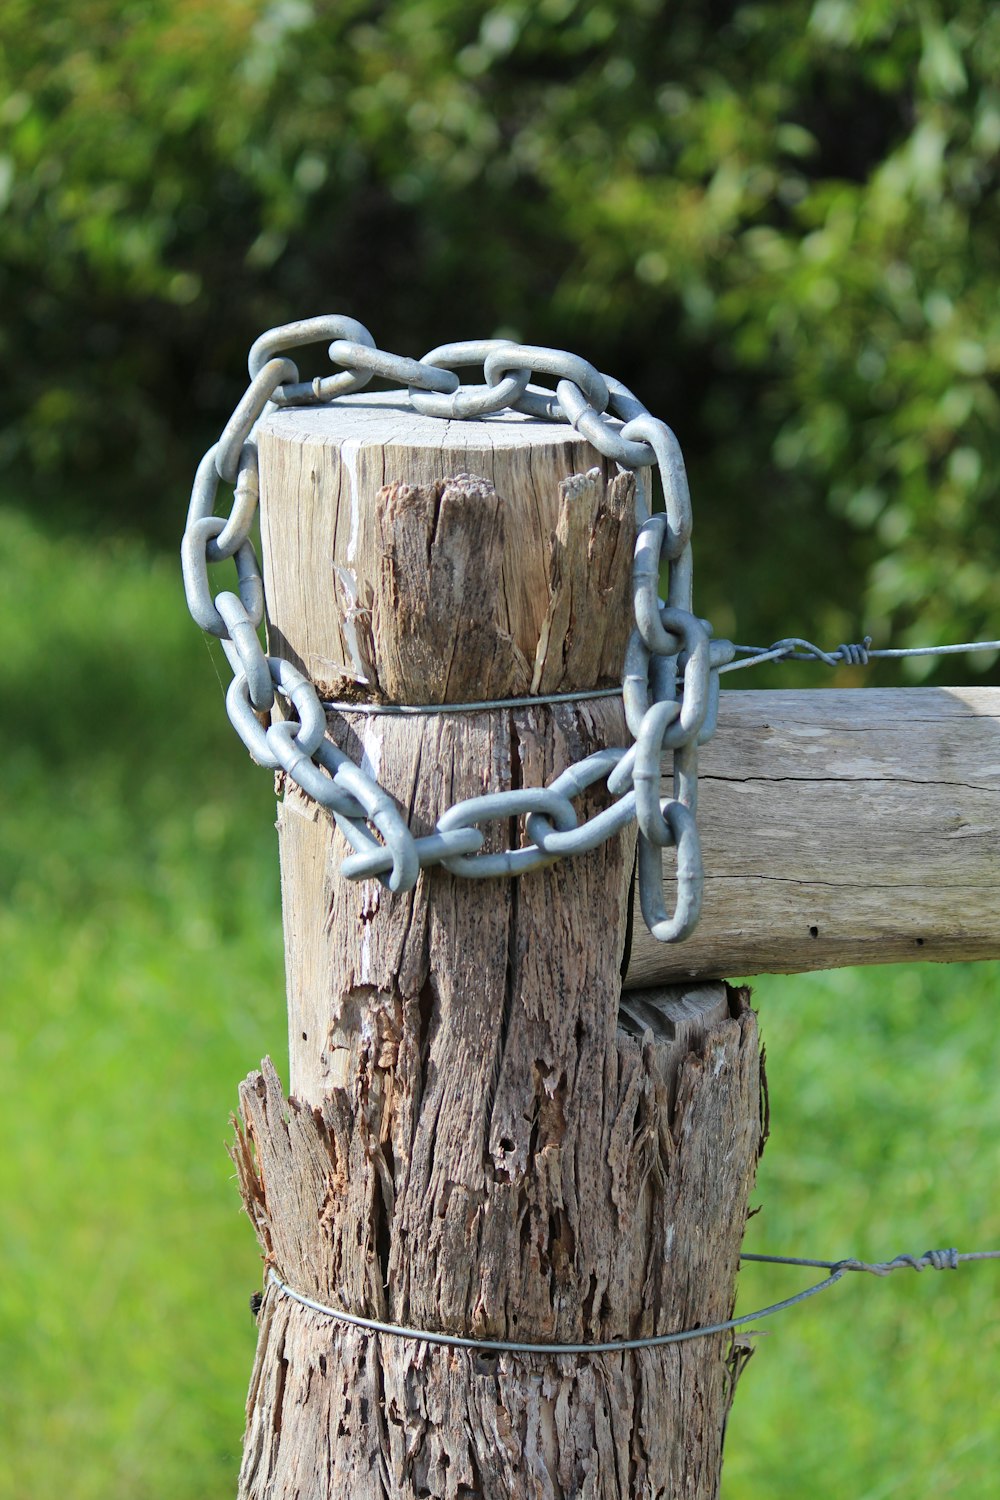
x=779 y=222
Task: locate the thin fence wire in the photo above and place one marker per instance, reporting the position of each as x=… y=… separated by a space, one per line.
x=858 y=654
x=931 y=1260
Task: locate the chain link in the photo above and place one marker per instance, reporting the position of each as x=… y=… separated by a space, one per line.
x=670 y=685
x=311 y=331
x=470 y=400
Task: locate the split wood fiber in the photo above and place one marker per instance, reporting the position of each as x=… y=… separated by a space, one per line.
x=482 y=1138
x=843 y=827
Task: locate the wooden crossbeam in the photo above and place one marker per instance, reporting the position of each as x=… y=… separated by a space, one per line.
x=839 y=828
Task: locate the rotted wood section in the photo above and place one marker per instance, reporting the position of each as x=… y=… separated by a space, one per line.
x=484 y=1136
x=623 y=1223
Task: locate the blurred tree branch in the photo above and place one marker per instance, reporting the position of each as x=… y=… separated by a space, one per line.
x=778 y=221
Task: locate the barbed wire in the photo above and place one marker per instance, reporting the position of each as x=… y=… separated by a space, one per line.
x=796 y=648
x=931 y=1260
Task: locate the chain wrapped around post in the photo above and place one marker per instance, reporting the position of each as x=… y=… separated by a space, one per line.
x=671 y=672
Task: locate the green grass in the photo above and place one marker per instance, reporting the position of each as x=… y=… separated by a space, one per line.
x=885 y=1128
x=141 y=978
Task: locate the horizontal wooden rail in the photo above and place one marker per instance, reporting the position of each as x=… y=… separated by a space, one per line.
x=842 y=828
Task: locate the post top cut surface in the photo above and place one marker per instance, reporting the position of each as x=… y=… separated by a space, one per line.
x=520 y=519
x=387 y=418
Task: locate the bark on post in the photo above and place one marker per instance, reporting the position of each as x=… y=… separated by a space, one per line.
x=479 y=1140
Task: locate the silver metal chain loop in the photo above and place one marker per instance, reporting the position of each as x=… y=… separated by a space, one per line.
x=555 y=362
x=244 y=651
x=469 y=400
x=408 y=372
x=670 y=684
x=600 y=431
x=194 y=564
x=236 y=431
x=322 y=330
x=246 y=497
x=374 y=859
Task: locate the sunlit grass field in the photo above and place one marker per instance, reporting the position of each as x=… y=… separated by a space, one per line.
x=141 y=978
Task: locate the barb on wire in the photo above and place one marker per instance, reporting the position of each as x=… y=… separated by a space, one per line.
x=796 y=648
x=931 y=1260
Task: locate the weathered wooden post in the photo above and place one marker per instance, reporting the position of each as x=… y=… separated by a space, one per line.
x=481 y=1137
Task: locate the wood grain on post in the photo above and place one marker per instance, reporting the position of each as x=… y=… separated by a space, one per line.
x=479 y=1140
x=843 y=827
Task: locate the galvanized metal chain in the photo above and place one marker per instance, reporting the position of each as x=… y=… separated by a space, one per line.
x=671 y=677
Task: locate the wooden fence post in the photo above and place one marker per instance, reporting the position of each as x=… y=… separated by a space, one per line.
x=482 y=1138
